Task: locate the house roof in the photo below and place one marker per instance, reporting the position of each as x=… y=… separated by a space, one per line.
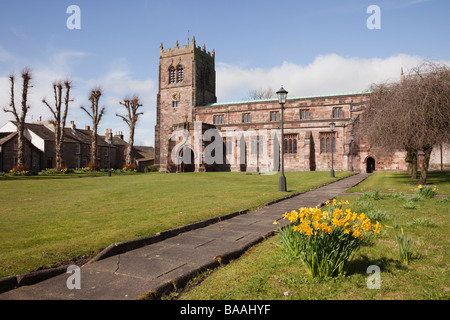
x=119 y=142
x=71 y=135
x=77 y=135
x=143 y=153
x=6 y=136
x=41 y=130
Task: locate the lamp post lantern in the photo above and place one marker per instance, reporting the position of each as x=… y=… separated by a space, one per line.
x=332 y=124
x=282 y=94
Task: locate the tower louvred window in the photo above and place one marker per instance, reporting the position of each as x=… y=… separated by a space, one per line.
x=180 y=74
x=171 y=75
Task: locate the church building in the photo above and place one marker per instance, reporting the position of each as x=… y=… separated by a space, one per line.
x=195 y=133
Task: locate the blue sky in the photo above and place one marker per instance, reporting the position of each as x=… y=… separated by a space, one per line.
x=311 y=47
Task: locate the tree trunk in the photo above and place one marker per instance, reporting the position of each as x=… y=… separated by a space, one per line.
x=58 y=153
x=411 y=159
x=414 y=164
x=95 y=116
x=20 y=165
x=93 y=156
x=57 y=146
x=128 y=158
x=426 y=162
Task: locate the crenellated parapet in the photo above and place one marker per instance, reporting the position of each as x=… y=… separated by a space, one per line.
x=187 y=48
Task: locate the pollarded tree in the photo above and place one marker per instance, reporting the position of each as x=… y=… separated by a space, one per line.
x=20 y=115
x=59 y=113
x=412 y=115
x=131 y=117
x=96 y=116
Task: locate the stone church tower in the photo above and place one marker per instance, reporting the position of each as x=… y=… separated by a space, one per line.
x=187 y=79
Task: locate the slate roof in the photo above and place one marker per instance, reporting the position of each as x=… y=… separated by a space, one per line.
x=6 y=136
x=70 y=135
x=143 y=153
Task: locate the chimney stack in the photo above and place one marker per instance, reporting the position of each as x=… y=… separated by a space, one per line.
x=108 y=135
x=72 y=125
x=119 y=134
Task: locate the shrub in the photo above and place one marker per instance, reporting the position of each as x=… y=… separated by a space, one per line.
x=83 y=170
x=50 y=171
x=410 y=204
x=150 y=168
x=129 y=167
x=399 y=195
x=372 y=195
x=444 y=200
x=364 y=205
x=20 y=171
x=377 y=215
x=424 y=222
x=325 y=240
x=93 y=166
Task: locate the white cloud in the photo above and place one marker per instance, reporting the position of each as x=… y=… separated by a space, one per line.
x=44 y=74
x=118 y=84
x=327 y=74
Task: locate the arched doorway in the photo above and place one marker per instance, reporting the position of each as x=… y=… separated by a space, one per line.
x=370 y=165
x=185 y=161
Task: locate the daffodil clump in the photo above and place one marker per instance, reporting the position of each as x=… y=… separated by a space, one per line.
x=324 y=239
x=426 y=191
x=16 y=172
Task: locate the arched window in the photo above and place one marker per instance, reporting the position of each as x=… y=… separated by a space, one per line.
x=290 y=143
x=180 y=74
x=327 y=142
x=171 y=74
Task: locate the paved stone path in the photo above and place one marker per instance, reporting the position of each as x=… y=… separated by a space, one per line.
x=162 y=266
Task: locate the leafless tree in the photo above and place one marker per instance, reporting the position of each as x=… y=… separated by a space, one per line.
x=261 y=93
x=412 y=115
x=96 y=116
x=59 y=116
x=20 y=115
x=131 y=117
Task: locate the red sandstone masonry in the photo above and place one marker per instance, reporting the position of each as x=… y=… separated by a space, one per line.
x=196 y=103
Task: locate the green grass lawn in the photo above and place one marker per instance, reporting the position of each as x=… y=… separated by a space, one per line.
x=46 y=220
x=267 y=272
x=390 y=182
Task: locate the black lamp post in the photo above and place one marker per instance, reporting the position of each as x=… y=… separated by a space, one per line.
x=332 y=124
x=109 y=141
x=282 y=94
x=351 y=151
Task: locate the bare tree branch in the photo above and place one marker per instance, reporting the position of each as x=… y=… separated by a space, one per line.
x=20 y=118
x=96 y=116
x=261 y=93
x=59 y=121
x=132 y=115
x=412 y=115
